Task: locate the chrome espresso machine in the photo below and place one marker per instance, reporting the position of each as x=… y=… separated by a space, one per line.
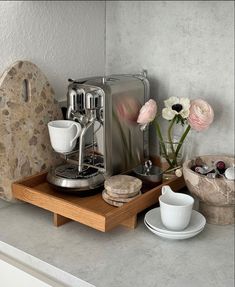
x=110 y=142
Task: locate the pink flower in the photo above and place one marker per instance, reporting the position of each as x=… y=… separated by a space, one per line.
x=128 y=109
x=147 y=113
x=201 y=115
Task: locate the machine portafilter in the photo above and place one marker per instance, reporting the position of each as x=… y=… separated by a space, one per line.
x=86 y=108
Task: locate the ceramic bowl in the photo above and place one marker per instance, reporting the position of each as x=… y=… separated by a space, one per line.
x=215 y=195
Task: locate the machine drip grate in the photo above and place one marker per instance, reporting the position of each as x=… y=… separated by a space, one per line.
x=70 y=171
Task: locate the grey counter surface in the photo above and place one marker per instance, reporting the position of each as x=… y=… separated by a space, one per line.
x=121 y=257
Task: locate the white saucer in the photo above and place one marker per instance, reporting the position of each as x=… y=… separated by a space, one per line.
x=153 y=219
x=173 y=236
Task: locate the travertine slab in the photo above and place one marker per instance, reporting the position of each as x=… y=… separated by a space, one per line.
x=112 y=202
x=27 y=104
x=106 y=195
x=123 y=184
x=124 y=195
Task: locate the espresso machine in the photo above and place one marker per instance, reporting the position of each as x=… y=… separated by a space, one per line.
x=111 y=141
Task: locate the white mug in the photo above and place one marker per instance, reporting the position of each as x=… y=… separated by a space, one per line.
x=63 y=135
x=175 y=209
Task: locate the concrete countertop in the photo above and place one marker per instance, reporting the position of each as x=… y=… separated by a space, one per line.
x=121 y=257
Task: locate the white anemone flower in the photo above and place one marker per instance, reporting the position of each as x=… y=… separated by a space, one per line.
x=176 y=106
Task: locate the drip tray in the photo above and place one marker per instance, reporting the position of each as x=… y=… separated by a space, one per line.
x=66 y=178
x=70 y=171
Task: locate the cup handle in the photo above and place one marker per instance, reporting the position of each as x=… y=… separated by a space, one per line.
x=166 y=189
x=77 y=133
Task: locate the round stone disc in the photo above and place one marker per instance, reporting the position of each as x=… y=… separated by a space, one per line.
x=118 y=199
x=112 y=202
x=123 y=184
x=125 y=195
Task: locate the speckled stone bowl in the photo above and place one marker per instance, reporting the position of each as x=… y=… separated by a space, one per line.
x=216 y=196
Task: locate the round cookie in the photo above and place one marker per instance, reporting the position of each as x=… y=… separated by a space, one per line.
x=118 y=199
x=123 y=184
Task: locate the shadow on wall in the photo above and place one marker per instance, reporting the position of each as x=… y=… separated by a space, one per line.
x=158 y=92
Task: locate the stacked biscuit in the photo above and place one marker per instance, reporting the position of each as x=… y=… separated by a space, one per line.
x=120 y=189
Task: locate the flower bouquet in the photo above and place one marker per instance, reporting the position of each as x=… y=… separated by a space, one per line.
x=196 y=114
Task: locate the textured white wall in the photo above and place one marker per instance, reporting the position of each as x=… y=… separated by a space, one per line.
x=188 y=49
x=64 y=38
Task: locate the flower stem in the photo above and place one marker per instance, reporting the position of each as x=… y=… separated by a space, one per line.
x=182 y=141
x=162 y=143
x=171 y=169
x=170 y=140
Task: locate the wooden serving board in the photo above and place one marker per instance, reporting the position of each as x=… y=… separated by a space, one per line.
x=27 y=104
x=92 y=211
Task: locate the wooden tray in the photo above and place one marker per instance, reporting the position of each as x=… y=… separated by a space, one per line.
x=93 y=210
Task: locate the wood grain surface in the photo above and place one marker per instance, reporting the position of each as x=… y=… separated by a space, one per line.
x=92 y=211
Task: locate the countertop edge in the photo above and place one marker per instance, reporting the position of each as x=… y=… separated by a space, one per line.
x=42 y=267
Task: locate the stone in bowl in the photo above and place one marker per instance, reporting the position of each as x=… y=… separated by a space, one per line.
x=216 y=195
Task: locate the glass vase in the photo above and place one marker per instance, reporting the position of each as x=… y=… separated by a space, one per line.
x=171 y=156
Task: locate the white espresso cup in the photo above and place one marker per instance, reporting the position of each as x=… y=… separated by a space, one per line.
x=175 y=209
x=63 y=135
